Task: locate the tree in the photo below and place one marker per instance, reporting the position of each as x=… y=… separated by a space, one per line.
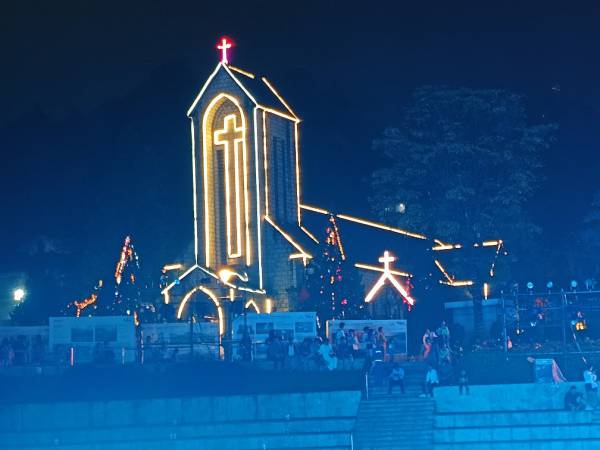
x=461 y=166
x=587 y=261
x=332 y=287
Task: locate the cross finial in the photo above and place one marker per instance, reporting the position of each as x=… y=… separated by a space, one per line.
x=224 y=46
x=386 y=259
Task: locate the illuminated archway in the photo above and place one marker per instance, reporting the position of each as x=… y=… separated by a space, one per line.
x=252 y=304
x=212 y=296
x=230 y=133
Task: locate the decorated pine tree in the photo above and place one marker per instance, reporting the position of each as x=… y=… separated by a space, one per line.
x=128 y=296
x=332 y=287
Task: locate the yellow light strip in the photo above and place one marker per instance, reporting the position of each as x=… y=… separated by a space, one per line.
x=212 y=296
x=199 y=96
x=451 y=281
x=278 y=113
x=279 y=97
x=314 y=209
x=181 y=277
x=457 y=283
x=176 y=266
x=246 y=201
x=441 y=247
x=491 y=243
x=338 y=238
x=380 y=269
x=268 y=306
x=387 y=259
x=258 y=199
x=243 y=72
x=288 y=237
x=380 y=226
x=252 y=303
x=297 y=147
x=308 y=233
x=486 y=290
x=240 y=84
x=194 y=186
x=246 y=289
x=264 y=130
x=205 y=180
x=439 y=266
x=225 y=143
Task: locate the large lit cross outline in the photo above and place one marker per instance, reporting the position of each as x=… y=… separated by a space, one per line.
x=232 y=136
x=224 y=46
x=386 y=259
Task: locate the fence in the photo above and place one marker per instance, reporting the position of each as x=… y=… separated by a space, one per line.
x=564 y=322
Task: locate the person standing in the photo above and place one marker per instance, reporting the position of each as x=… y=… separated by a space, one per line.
x=431 y=381
x=340 y=334
x=463 y=382
x=591 y=387
x=427 y=343
x=443 y=333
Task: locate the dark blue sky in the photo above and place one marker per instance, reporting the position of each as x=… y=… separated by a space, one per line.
x=95 y=142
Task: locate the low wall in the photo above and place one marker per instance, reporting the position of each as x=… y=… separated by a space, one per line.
x=299 y=421
x=503 y=397
x=37 y=416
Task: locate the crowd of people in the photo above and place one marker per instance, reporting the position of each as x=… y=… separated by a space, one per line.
x=340 y=350
x=18 y=351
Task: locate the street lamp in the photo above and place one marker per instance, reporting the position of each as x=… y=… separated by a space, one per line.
x=18 y=294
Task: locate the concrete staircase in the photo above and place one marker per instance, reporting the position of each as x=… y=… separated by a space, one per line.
x=400 y=422
x=507 y=417
x=397 y=421
x=506 y=430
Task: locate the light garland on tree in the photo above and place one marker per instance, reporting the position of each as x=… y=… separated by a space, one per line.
x=80 y=306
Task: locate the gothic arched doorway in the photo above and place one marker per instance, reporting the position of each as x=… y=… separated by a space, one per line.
x=209 y=311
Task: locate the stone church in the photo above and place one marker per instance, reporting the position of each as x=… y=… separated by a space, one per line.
x=253 y=233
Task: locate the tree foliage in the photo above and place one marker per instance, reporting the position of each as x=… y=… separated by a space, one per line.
x=463 y=163
x=332 y=286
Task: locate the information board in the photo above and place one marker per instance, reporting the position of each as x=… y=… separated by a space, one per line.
x=99 y=337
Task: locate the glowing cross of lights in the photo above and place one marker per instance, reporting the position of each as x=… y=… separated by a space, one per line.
x=231 y=137
x=386 y=259
x=224 y=46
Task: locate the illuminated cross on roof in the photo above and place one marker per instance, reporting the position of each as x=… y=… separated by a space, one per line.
x=386 y=259
x=224 y=46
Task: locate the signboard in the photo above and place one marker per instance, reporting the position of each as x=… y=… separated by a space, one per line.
x=97 y=338
x=297 y=325
x=395 y=330
x=163 y=340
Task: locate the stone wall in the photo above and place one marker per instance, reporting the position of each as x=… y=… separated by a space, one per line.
x=502 y=417
x=308 y=420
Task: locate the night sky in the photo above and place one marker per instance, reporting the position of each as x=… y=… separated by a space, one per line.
x=95 y=141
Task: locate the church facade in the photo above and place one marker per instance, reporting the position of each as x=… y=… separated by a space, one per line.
x=253 y=234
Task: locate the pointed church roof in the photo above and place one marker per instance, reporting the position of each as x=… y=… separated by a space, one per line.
x=417 y=254
x=258 y=89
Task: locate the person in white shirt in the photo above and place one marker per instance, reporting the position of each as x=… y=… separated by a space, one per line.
x=591 y=387
x=431 y=381
x=328 y=356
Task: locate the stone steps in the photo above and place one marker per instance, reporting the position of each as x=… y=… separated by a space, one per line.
x=394 y=421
